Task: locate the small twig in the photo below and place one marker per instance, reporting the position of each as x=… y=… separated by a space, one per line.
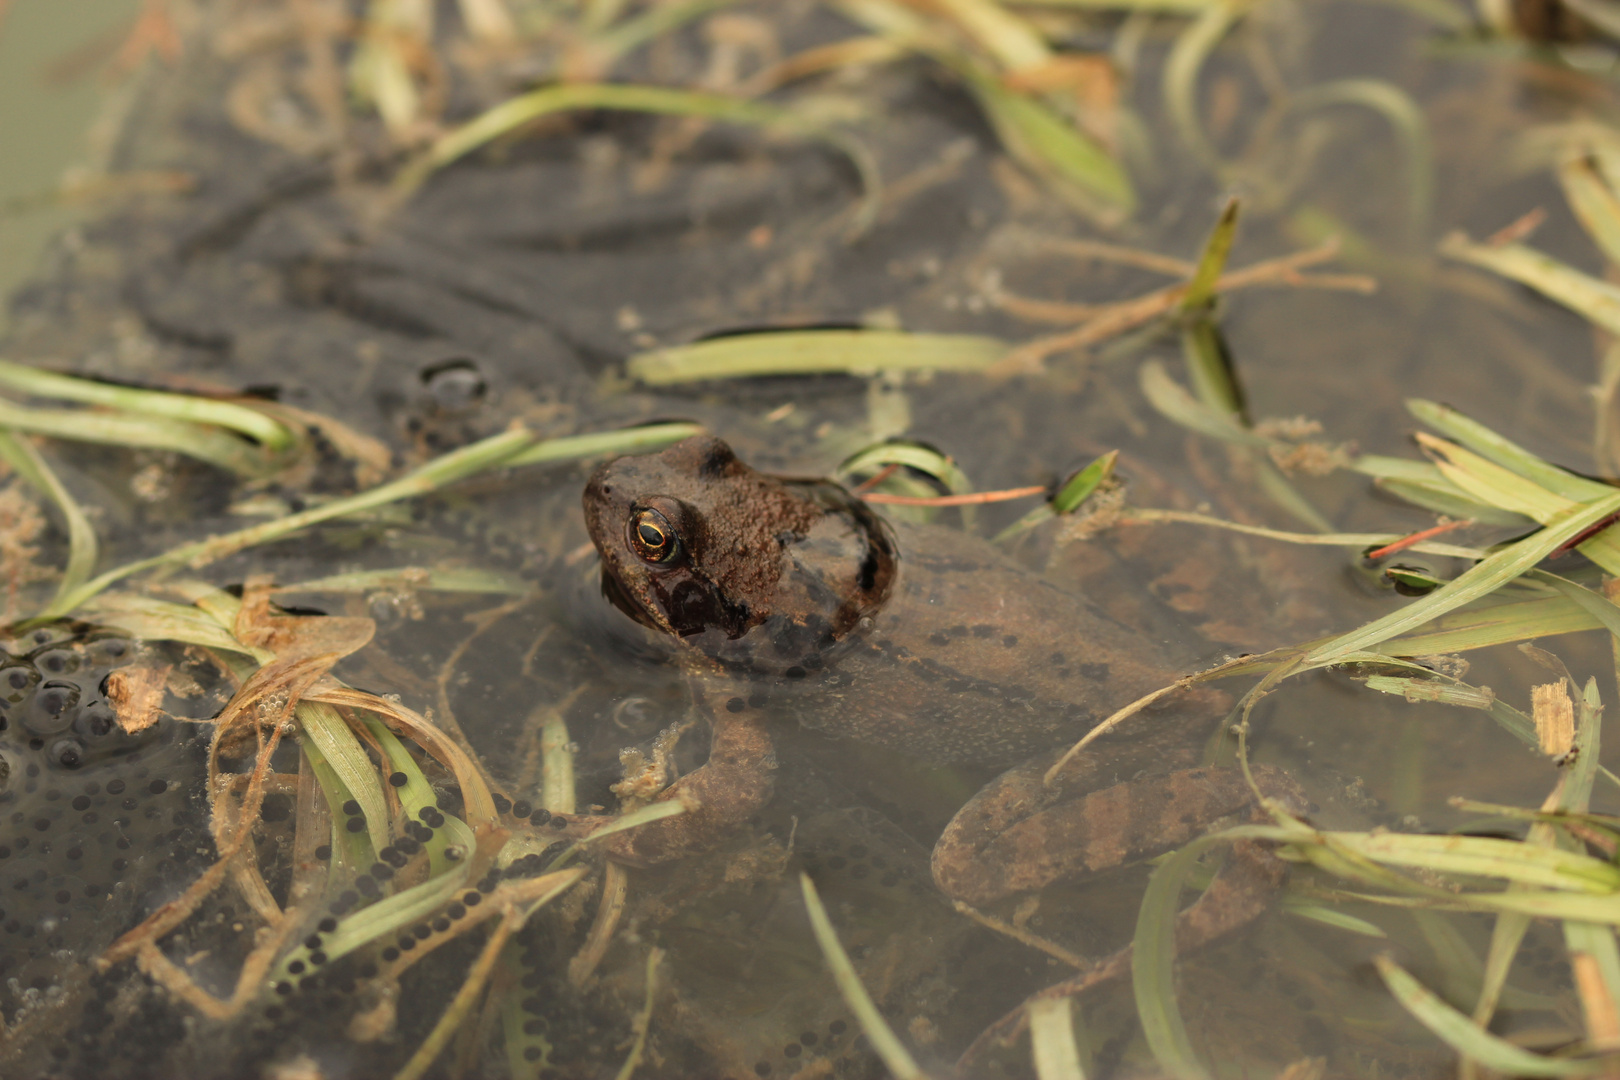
x=1417 y=538
x=1024 y=937
x=1517 y=230
x=1115 y=319
x=883 y=474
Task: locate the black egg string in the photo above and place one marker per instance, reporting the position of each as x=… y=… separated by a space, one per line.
x=523 y=809
x=367 y=887
x=533 y=972
x=809 y=1041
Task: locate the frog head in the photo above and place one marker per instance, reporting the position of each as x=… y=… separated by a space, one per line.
x=693 y=541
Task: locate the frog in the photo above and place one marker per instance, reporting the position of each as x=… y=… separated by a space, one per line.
x=919 y=638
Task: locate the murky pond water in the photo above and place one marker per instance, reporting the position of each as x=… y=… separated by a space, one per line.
x=186 y=896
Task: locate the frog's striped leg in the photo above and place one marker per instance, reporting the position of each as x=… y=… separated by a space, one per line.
x=1016 y=836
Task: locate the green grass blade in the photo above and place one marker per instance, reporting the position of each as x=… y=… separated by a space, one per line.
x=327 y=730
x=1211 y=264
x=1467 y=1038
x=814 y=352
x=489 y=453
x=416 y=794
x=160 y=620
x=1193 y=46
x=1491 y=483
x=1487 y=443
x=1051 y=1040
x=636 y=440
x=1506 y=936
x=1330 y=916
x=1172 y=400
x=1594 y=203
x=913 y=456
x=1439 y=499
x=207 y=444
x=511 y=115
x=896 y=1058
x=1489 y=574
x=1161 y=7
x=1596 y=300
x=1404 y=117
x=1153 y=959
x=1498 y=624
x=1076 y=490
x=650 y=25
x=1486 y=856
x=189 y=407
x=1052 y=147
x=82 y=546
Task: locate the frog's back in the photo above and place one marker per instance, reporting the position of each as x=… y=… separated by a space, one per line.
x=973 y=657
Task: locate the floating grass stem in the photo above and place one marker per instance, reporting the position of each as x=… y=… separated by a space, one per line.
x=207 y=444
x=1051 y=1040
x=82 y=546
x=265 y=430
x=896 y=1058
x=497 y=451
x=814 y=352
x=515 y=113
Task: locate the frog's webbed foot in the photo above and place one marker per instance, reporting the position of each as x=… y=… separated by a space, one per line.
x=1017 y=836
x=721 y=794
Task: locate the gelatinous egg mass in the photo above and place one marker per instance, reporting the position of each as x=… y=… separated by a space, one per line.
x=98 y=826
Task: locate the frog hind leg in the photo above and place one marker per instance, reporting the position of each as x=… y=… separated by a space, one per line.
x=1018 y=835
x=720 y=795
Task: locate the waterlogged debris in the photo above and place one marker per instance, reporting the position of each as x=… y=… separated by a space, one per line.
x=814 y=352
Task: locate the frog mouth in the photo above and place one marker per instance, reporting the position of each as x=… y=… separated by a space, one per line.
x=616 y=594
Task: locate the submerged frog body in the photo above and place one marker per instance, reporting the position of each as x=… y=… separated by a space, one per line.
x=918 y=638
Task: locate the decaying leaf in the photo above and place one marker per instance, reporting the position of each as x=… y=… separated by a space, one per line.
x=1555 y=718
x=136 y=695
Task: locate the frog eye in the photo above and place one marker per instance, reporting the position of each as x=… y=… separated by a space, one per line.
x=653 y=538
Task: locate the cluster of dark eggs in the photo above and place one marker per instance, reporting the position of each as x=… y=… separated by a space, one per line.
x=97 y=824
x=53 y=698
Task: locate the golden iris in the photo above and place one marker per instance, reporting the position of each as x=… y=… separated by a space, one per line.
x=653 y=538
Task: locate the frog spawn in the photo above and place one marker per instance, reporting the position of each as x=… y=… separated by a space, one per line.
x=97 y=825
